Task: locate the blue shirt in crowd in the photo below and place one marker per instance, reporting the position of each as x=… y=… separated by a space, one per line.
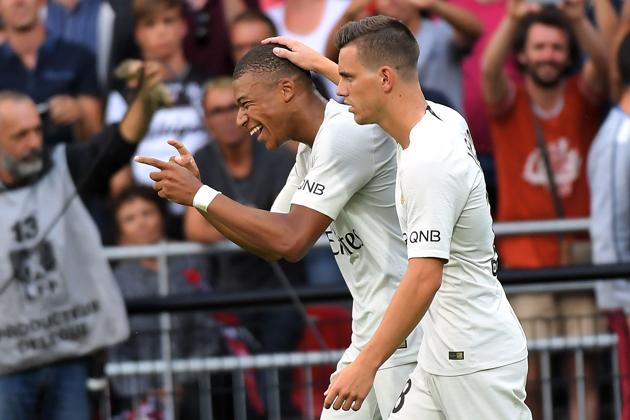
x=62 y=68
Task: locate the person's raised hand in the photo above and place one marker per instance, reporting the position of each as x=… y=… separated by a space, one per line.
x=573 y=9
x=150 y=84
x=422 y=4
x=64 y=109
x=518 y=9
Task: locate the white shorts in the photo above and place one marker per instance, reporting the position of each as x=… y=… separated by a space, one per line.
x=493 y=394
x=388 y=383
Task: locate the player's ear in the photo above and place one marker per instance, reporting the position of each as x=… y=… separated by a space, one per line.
x=386 y=78
x=287 y=89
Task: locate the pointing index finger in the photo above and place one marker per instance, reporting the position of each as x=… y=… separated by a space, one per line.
x=157 y=163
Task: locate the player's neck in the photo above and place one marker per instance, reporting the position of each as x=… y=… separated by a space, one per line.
x=404 y=111
x=307 y=118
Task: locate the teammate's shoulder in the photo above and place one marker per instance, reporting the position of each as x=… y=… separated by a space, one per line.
x=339 y=122
x=337 y=114
x=445 y=114
x=437 y=135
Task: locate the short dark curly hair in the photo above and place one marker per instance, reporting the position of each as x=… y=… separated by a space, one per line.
x=262 y=60
x=548 y=16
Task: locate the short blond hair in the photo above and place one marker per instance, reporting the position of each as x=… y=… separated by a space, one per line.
x=220 y=82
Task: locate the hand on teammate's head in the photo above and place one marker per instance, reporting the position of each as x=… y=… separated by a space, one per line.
x=297 y=53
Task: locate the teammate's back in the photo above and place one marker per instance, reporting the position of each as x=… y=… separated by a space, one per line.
x=470 y=325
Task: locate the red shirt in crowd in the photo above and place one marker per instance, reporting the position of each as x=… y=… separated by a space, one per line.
x=523 y=188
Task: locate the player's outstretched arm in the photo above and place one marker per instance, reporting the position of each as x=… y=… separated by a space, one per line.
x=409 y=304
x=269 y=235
x=305 y=57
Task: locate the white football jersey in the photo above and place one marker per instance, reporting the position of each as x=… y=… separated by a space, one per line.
x=350 y=175
x=444 y=213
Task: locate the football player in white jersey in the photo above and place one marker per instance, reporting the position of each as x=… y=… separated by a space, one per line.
x=342 y=184
x=472 y=362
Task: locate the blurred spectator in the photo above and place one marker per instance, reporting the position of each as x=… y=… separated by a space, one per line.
x=57 y=288
x=542 y=129
x=105 y=27
x=75 y=21
x=358 y=9
x=245 y=171
x=616 y=24
x=561 y=108
x=139 y=219
x=85 y=22
x=207 y=44
x=159 y=30
x=490 y=12
x=310 y=22
x=58 y=75
x=609 y=180
x=247 y=30
x=445 y=33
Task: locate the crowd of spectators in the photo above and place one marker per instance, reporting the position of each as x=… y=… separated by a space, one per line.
x=534 y=81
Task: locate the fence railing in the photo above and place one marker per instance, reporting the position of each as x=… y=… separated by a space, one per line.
x=204 y=368
x=515 y=281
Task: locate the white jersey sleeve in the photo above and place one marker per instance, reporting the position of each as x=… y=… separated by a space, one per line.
x=339 y=167
x=282 y=203
x=433 y=199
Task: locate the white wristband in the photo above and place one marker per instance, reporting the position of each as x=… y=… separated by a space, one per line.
x=204 y=197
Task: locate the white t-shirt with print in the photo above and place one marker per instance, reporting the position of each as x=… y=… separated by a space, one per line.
x=350 y=175
x=444 y=213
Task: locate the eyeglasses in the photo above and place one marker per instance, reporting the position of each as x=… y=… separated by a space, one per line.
x=213 y=112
